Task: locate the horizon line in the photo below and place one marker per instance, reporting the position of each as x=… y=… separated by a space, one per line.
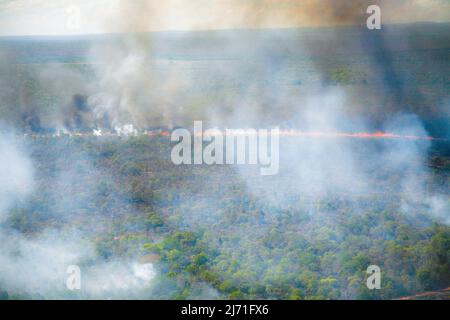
x=96 y=34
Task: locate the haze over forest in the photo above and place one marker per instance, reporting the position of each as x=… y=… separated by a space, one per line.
x=86 y=177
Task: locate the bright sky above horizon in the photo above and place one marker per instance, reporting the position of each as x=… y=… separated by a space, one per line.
x=63 y=17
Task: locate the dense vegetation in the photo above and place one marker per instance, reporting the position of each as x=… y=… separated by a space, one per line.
x=206 y=232
x=209 y=231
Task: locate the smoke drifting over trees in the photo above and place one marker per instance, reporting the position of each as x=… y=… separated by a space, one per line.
x=35 y=265
x=106 y=202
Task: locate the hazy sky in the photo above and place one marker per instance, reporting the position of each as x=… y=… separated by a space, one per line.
x=100 y=16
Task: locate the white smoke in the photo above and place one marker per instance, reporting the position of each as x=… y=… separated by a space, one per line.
x=36 y=265
x=16 y=174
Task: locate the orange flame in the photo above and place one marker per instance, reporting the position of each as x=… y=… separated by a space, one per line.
x=325 y=134
x=361 y=135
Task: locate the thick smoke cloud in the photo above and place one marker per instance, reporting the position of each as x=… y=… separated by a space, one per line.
x=138 y=88
x=35 y=266
x=16 y=175
x=41 y=99
x=130 y=84
x=244 y=78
